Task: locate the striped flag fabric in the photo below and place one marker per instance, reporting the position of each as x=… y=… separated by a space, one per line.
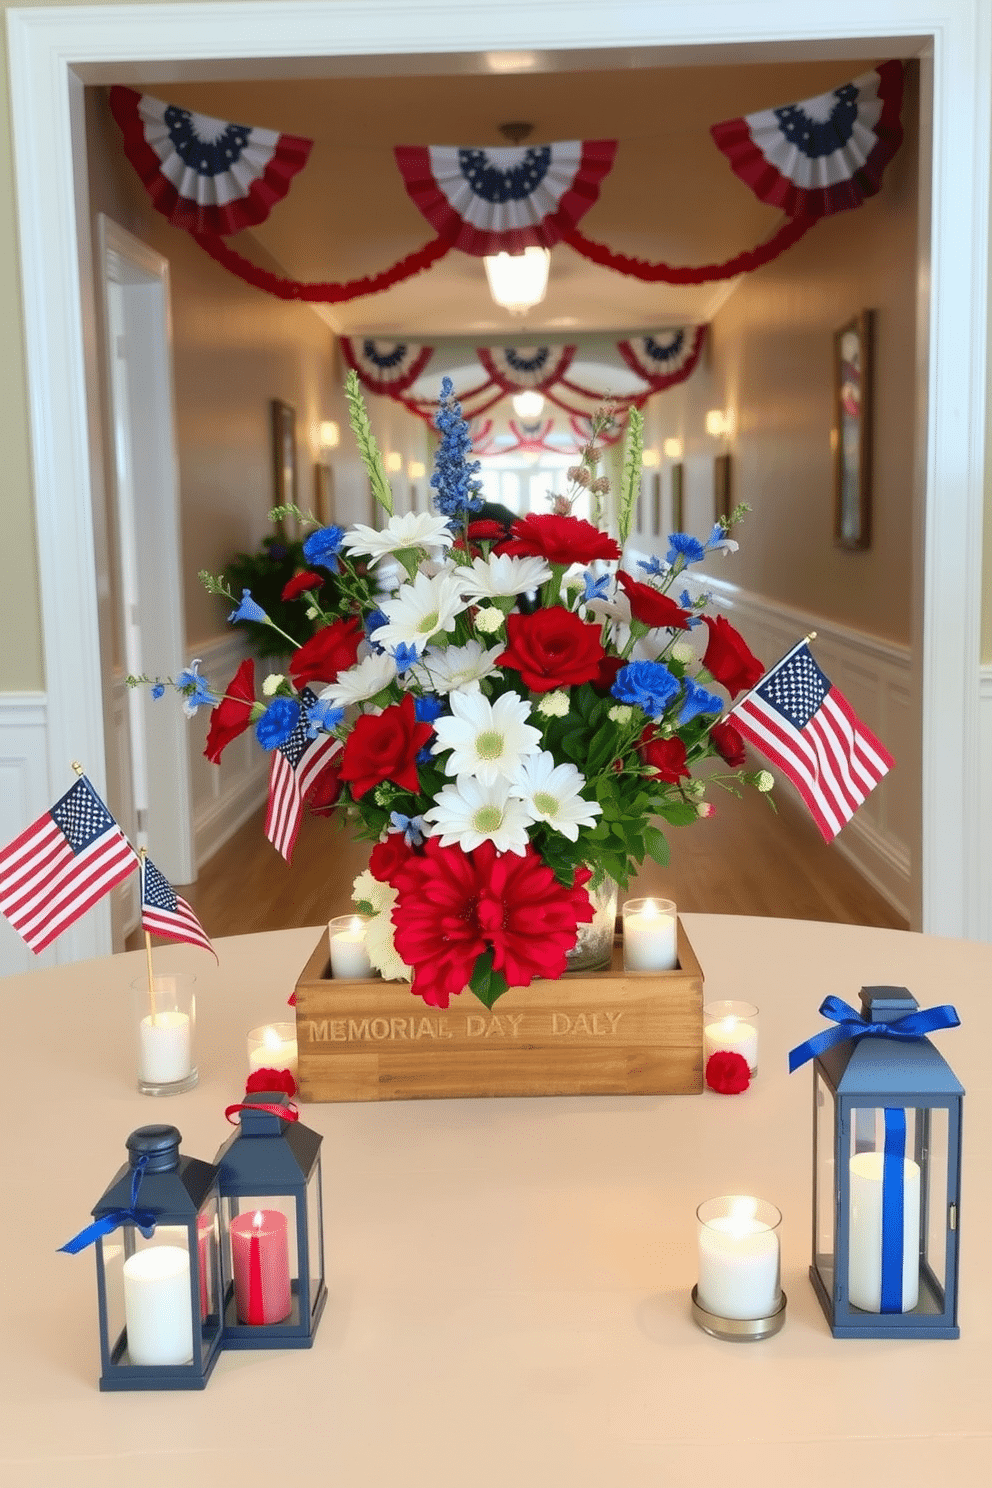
x=296 y=763
x=61 y=865
x=804 y=725
x=164 y=912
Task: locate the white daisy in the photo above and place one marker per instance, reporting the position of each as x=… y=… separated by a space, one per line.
x=502 y=573
x=366 y=679
x=420 y=610
x=455 y=667
x=411 y=530
x=487 y=740
x=469 y=812
x=552 y=793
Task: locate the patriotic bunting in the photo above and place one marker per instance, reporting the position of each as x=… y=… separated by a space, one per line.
x=388 y=367
x=204 y=174
x=294 y=769
x=823 y=155
x=664 y=358
x=515 y=368
x=507 y=198
x=164 y=912
x=61 y=865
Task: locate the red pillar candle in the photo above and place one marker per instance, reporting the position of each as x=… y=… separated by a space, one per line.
x=260 y=1261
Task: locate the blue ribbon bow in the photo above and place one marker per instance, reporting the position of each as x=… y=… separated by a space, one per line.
x=144 y=1219
x=851 y=1025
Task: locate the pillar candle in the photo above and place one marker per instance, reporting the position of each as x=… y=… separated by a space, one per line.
x=738 y=1266
x=164 y=1048
x=157 y=1306
x=865 y=1238
x=260 y=1261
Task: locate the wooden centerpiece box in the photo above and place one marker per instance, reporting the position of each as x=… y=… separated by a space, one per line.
x=590 y=1033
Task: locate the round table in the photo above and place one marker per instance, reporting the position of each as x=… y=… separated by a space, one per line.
x=509 y=1279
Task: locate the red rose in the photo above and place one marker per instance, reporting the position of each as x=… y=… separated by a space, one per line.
x=270 y=1080
x=665 y=756
x=323 y=793
x=232 y=714
x=388 y=856
x=728 y=659
x=301 y=583
x=727 y=1073
x=607 y=674
x=384 y=746
x=652 y=608
x=552 y=648
x=333 y=649
x=560 y=540
x=728 y=744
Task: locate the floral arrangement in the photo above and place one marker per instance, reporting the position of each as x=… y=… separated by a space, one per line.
x=512 y=714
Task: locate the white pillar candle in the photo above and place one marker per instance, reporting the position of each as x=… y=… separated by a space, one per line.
x=864 y=1271
x=733 y=1035
x=349 y=957
x=164 y=1048
x=157 y=1311
x=738 y=1264
x=274 y=1047
x=649 y=935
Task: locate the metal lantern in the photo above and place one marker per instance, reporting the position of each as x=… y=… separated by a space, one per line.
x=886 y=1169
x=271 y=1227
x=157 y=1267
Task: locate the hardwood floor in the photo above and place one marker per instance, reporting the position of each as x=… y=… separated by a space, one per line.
x=746 y=859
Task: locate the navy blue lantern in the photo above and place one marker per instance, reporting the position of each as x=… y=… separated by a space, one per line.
x=157 y=1267
x=272 y=1228
x=886 y=1169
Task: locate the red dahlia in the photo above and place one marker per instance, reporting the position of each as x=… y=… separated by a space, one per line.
x=560 y=540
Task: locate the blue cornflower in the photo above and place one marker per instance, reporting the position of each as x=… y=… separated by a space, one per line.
x=322 y=718
x=248 y=610
x=277 y=722
x=412 y=827
x=195 y=689
x=686 y=601
x=373 y=620
x=697 y=700
x=158 y=690
x=689 y=549
x=648 y=684
x=405 y=657
x=653 y=566
x=595 y=588
x=321 y=548
x=426 y=709
x=455 y=492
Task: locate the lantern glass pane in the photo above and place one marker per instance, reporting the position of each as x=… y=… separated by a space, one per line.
x=869 y=1173
x=824 y=1239
x=315 y=1235
x=113 y=1255
x=259 y=1238
x=208 y=1255
x=934 y=1153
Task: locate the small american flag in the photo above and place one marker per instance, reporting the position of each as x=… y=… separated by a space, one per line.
x=61 y=865
x=809 y=730
x=164 y=912
x=295 y=766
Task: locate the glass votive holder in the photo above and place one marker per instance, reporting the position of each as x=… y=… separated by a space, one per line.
x=165 y=1023
x=650 y=935
x=731 y=1028
x=349 y=954
x=273 y=1046
x=739 y=1295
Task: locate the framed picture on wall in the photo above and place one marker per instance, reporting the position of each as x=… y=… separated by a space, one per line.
x=323 y=493
x=283 y=454
x=678 y=502
x=851 y=435
x=721 y=486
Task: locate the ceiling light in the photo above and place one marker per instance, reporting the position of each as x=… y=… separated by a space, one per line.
x=673 y=449
x=528 y=405
x=518 y=281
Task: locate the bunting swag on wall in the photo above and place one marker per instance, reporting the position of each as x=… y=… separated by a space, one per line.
x=810 y=159
x=385 y=367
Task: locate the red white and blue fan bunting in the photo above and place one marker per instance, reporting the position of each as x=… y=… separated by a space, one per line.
x=516 y=367
x=507 y=198
x=823 y=155
x=664 y=358
x=204 y=174
x=388 y=367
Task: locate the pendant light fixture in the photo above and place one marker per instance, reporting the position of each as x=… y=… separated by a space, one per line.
x=518 y=281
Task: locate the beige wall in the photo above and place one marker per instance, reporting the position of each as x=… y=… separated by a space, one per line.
x=770 y=360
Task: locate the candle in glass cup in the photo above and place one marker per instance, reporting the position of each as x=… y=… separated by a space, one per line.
x=650 y=935
x=273 y=1046
x=260 y=1262
x=349 y=955
x=738 y=1257
x=166 y=1009
x=731 y=1027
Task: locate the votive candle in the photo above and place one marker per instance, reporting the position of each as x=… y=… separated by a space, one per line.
x=650 y=935
x=349 y=955
x=731 y=1027
x=739 y=1264
x=273 y=1046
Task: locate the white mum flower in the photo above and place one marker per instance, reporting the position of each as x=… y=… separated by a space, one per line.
x=411 y=530
x=368 y=890
x=469 y=812
x=502 y=573
x=620 y=713
x=765 y=780
x=489 y=620
x=271 y=684
x=554 y=704
x=419 y=611
x=380 y=944
x=486 y=739
x=366 y=679
x=683 y=652
x=455 y=667
x=552 y=793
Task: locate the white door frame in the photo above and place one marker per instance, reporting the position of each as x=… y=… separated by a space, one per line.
x=54 y=51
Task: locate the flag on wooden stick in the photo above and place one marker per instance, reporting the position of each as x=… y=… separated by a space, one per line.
x=804 y=725
x=164 y=912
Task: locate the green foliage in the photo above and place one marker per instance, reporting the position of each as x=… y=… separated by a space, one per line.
x=630 y=485
x=486 y=983
x=265 y=573
x=367 y=447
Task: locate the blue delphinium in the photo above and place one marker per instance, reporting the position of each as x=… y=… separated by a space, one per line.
x=427 y=708
x=322 y=547
x=647 y=684
x=412 y=827
x=323 y=717
x=652 y=565
x=277 y=722
x=696 y=701
x=455 y=492
x=405 y=656
x=373 y=621
x=248 y=609
x=687 y=603
x=594 y=588
x=689 y=549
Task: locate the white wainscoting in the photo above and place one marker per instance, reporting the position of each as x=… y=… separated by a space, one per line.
x=23 y=798
x=985 y=801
